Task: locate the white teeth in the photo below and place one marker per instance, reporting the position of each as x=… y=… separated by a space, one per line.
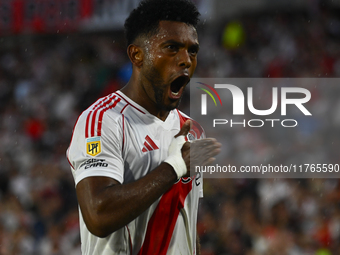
x=174 y=93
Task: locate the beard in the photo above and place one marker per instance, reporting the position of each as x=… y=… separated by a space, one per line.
x=159 y=95
x=160 y=88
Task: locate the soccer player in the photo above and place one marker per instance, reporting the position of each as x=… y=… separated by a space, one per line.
x=130 y=155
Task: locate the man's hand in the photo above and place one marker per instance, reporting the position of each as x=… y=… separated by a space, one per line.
x=200 y=152
x=175 y=158
x=197 y=153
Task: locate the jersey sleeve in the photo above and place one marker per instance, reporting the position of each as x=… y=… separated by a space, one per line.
x=99 y=155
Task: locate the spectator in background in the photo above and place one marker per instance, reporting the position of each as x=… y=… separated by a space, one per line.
x=309 y=47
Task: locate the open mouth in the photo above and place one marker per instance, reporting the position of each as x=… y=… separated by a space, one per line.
x=179 y=83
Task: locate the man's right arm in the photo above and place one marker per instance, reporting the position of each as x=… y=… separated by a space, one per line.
x=107 y=205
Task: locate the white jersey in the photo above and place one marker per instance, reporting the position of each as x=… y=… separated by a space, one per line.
x=117 y=138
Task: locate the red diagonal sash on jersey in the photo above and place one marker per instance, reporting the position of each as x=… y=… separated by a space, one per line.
x=162 y=223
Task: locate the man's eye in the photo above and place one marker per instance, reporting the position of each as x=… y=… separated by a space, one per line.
x=193 y=52
x=172 y=47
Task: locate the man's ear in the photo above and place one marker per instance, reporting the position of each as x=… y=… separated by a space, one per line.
x=135 y=54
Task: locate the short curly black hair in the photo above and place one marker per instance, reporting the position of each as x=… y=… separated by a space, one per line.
x=145 y=18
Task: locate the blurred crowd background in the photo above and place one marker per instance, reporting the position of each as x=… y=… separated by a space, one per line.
x=48 y=78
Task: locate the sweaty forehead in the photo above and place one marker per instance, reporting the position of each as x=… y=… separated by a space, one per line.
x=174 y=30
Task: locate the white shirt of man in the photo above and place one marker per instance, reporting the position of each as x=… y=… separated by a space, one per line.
x=117 y=138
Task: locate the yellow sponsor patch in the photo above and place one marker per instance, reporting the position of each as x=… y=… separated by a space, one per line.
x=93 y=146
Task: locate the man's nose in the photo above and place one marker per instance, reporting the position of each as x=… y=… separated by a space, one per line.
x=184 y=59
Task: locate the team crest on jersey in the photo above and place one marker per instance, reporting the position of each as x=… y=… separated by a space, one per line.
x=192 y=135
x=93 y=146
